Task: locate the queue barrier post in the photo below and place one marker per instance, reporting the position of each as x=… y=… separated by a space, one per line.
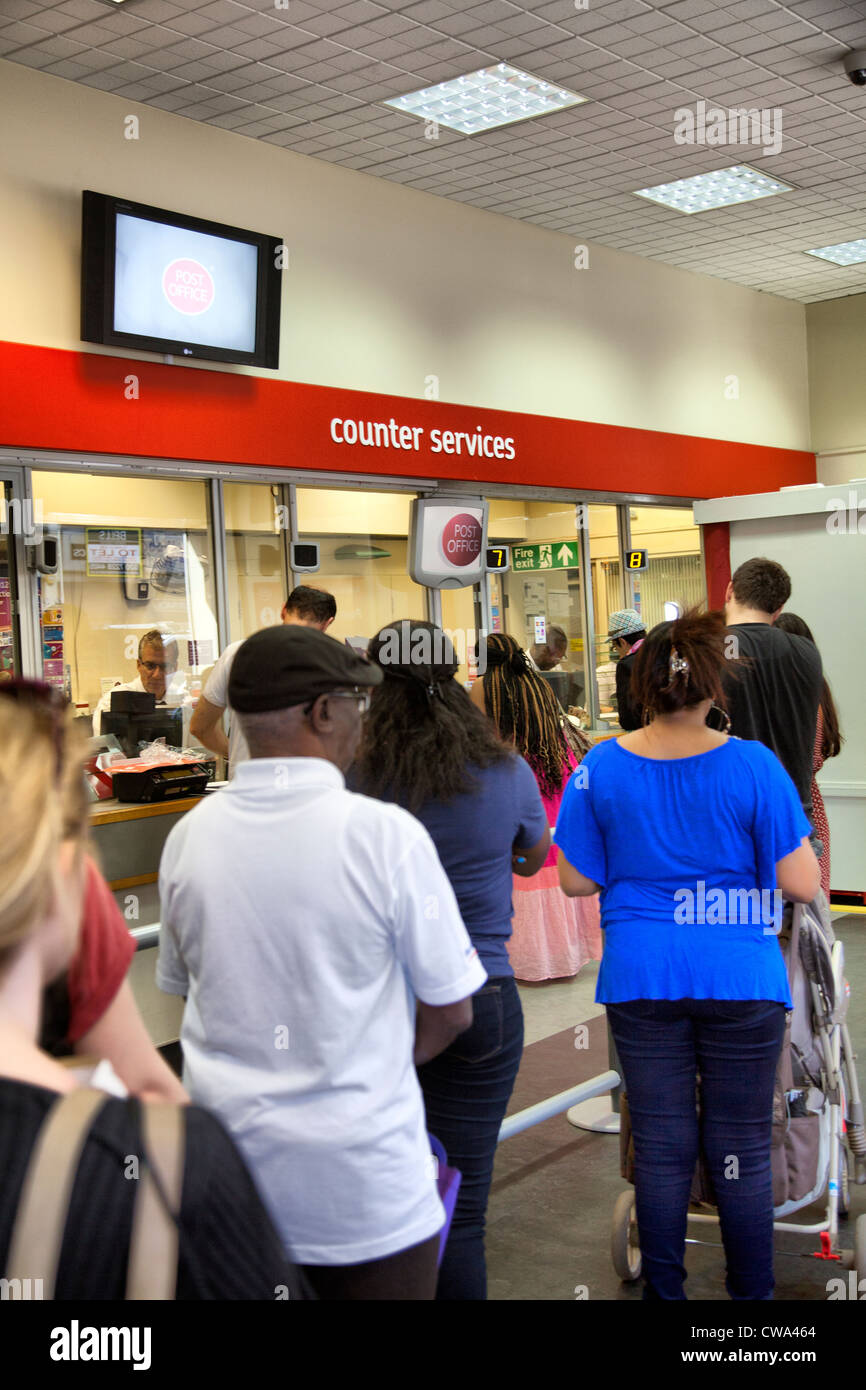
x=555 y=1105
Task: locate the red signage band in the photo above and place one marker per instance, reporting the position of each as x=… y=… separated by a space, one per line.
x=94 y=403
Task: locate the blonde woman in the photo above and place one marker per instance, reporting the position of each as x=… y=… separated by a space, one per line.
x=227 y=1245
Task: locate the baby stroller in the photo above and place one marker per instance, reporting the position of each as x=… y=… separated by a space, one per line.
x=818 y=1132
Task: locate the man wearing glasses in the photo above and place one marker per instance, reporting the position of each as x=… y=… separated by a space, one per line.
x=320 y=947
x=157 y=668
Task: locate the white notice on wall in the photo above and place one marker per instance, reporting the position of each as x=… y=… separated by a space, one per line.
x=533 y=595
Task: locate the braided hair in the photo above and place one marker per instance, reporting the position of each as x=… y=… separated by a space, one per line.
x=527 y=713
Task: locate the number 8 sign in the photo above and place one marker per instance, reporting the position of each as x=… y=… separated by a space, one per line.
x=636 y=559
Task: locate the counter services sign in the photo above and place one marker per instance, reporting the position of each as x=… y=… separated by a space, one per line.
x=448 y=537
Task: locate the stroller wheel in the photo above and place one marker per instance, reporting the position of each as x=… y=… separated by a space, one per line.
x=624 y=1244
x=860 y=1248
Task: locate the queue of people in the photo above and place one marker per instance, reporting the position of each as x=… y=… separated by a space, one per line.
x=345 y=921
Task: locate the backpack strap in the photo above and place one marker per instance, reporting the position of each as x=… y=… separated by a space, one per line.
x=37 y=1233
x=153 y=1246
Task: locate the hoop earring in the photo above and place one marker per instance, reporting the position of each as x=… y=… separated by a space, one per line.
x=726 y=729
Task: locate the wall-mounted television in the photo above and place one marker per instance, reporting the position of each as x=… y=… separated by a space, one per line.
x=178 y=285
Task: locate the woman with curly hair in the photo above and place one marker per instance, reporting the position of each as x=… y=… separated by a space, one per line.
x=552 y=936
x=426 y=747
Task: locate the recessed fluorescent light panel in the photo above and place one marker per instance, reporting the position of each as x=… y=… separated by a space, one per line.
x=486 y=99
x=846 y=253
x=741 y=184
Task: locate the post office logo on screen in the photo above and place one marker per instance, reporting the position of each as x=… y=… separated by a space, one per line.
x=188 y=286
x=461 y=539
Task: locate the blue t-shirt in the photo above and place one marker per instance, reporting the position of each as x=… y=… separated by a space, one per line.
x=685 y=851
x=474 y=835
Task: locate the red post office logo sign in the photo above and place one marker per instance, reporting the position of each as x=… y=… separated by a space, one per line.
x=461 y=539
x=188 y=286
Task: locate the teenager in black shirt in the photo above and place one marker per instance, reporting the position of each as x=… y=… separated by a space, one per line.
x=774 y=695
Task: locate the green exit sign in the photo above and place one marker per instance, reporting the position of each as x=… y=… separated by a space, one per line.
x=547 y=555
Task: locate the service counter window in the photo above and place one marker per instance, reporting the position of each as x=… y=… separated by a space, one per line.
x=256 y=524
x=460 y=622
x=608 y=596
x=362 y=538
x=669 y=571
x=539 y=601
x=134 y=559
x=675 y=570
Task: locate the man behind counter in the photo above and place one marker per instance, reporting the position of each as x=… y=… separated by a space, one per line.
x=157 y=665
x=548 y=655
x=306 y=607
x=626 y=632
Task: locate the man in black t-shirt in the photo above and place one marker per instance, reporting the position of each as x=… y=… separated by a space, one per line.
x=774 y=695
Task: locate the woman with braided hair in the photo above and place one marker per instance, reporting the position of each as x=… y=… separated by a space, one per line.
x=552 y=936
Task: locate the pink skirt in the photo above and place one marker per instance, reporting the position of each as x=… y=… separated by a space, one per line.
x=553 y=936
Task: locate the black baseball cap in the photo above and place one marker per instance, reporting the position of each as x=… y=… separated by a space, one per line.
x=290 y=664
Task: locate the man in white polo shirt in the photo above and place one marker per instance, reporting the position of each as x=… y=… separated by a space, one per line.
x=306 y=605
x=320 y=945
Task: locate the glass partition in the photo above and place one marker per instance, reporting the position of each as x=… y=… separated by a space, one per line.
x=10 y=654
x=135 y=557
x=539 y=600
x=256 y=574
x=363 y=539
x=675 y=566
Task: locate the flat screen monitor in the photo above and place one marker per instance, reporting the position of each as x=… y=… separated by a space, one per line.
x=130 y=730
x=178 y=285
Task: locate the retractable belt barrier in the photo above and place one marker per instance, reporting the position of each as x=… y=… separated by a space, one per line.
x=148 y=936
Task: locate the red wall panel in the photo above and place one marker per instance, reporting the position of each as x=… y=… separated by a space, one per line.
x=717 y=561
x=78 y=401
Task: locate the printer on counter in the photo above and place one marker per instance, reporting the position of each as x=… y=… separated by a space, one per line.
x=134 y=718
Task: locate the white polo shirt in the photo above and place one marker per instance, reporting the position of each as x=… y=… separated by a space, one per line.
x=216 y=692
x=303 y=920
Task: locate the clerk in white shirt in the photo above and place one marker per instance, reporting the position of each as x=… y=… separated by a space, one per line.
x=323 y=956
x=157 y=675
x=308 y=607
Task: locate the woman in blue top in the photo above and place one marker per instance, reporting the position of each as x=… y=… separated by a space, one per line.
x=428 y=748
x=692 y=838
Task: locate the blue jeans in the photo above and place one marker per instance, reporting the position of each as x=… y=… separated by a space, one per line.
x=466 y=1091
x=734 y=1045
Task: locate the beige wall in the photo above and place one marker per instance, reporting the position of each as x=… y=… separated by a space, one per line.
x=837 y=386
x=388 y=285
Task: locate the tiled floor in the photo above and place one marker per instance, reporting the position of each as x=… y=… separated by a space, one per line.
x=554 y=1189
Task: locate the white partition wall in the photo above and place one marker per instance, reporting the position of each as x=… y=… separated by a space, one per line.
x=814 y=533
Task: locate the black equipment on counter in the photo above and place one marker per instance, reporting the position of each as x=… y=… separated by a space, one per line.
x=134 y=718
x=163 y=782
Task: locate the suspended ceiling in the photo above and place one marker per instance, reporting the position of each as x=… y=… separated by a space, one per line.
x=311 y=75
